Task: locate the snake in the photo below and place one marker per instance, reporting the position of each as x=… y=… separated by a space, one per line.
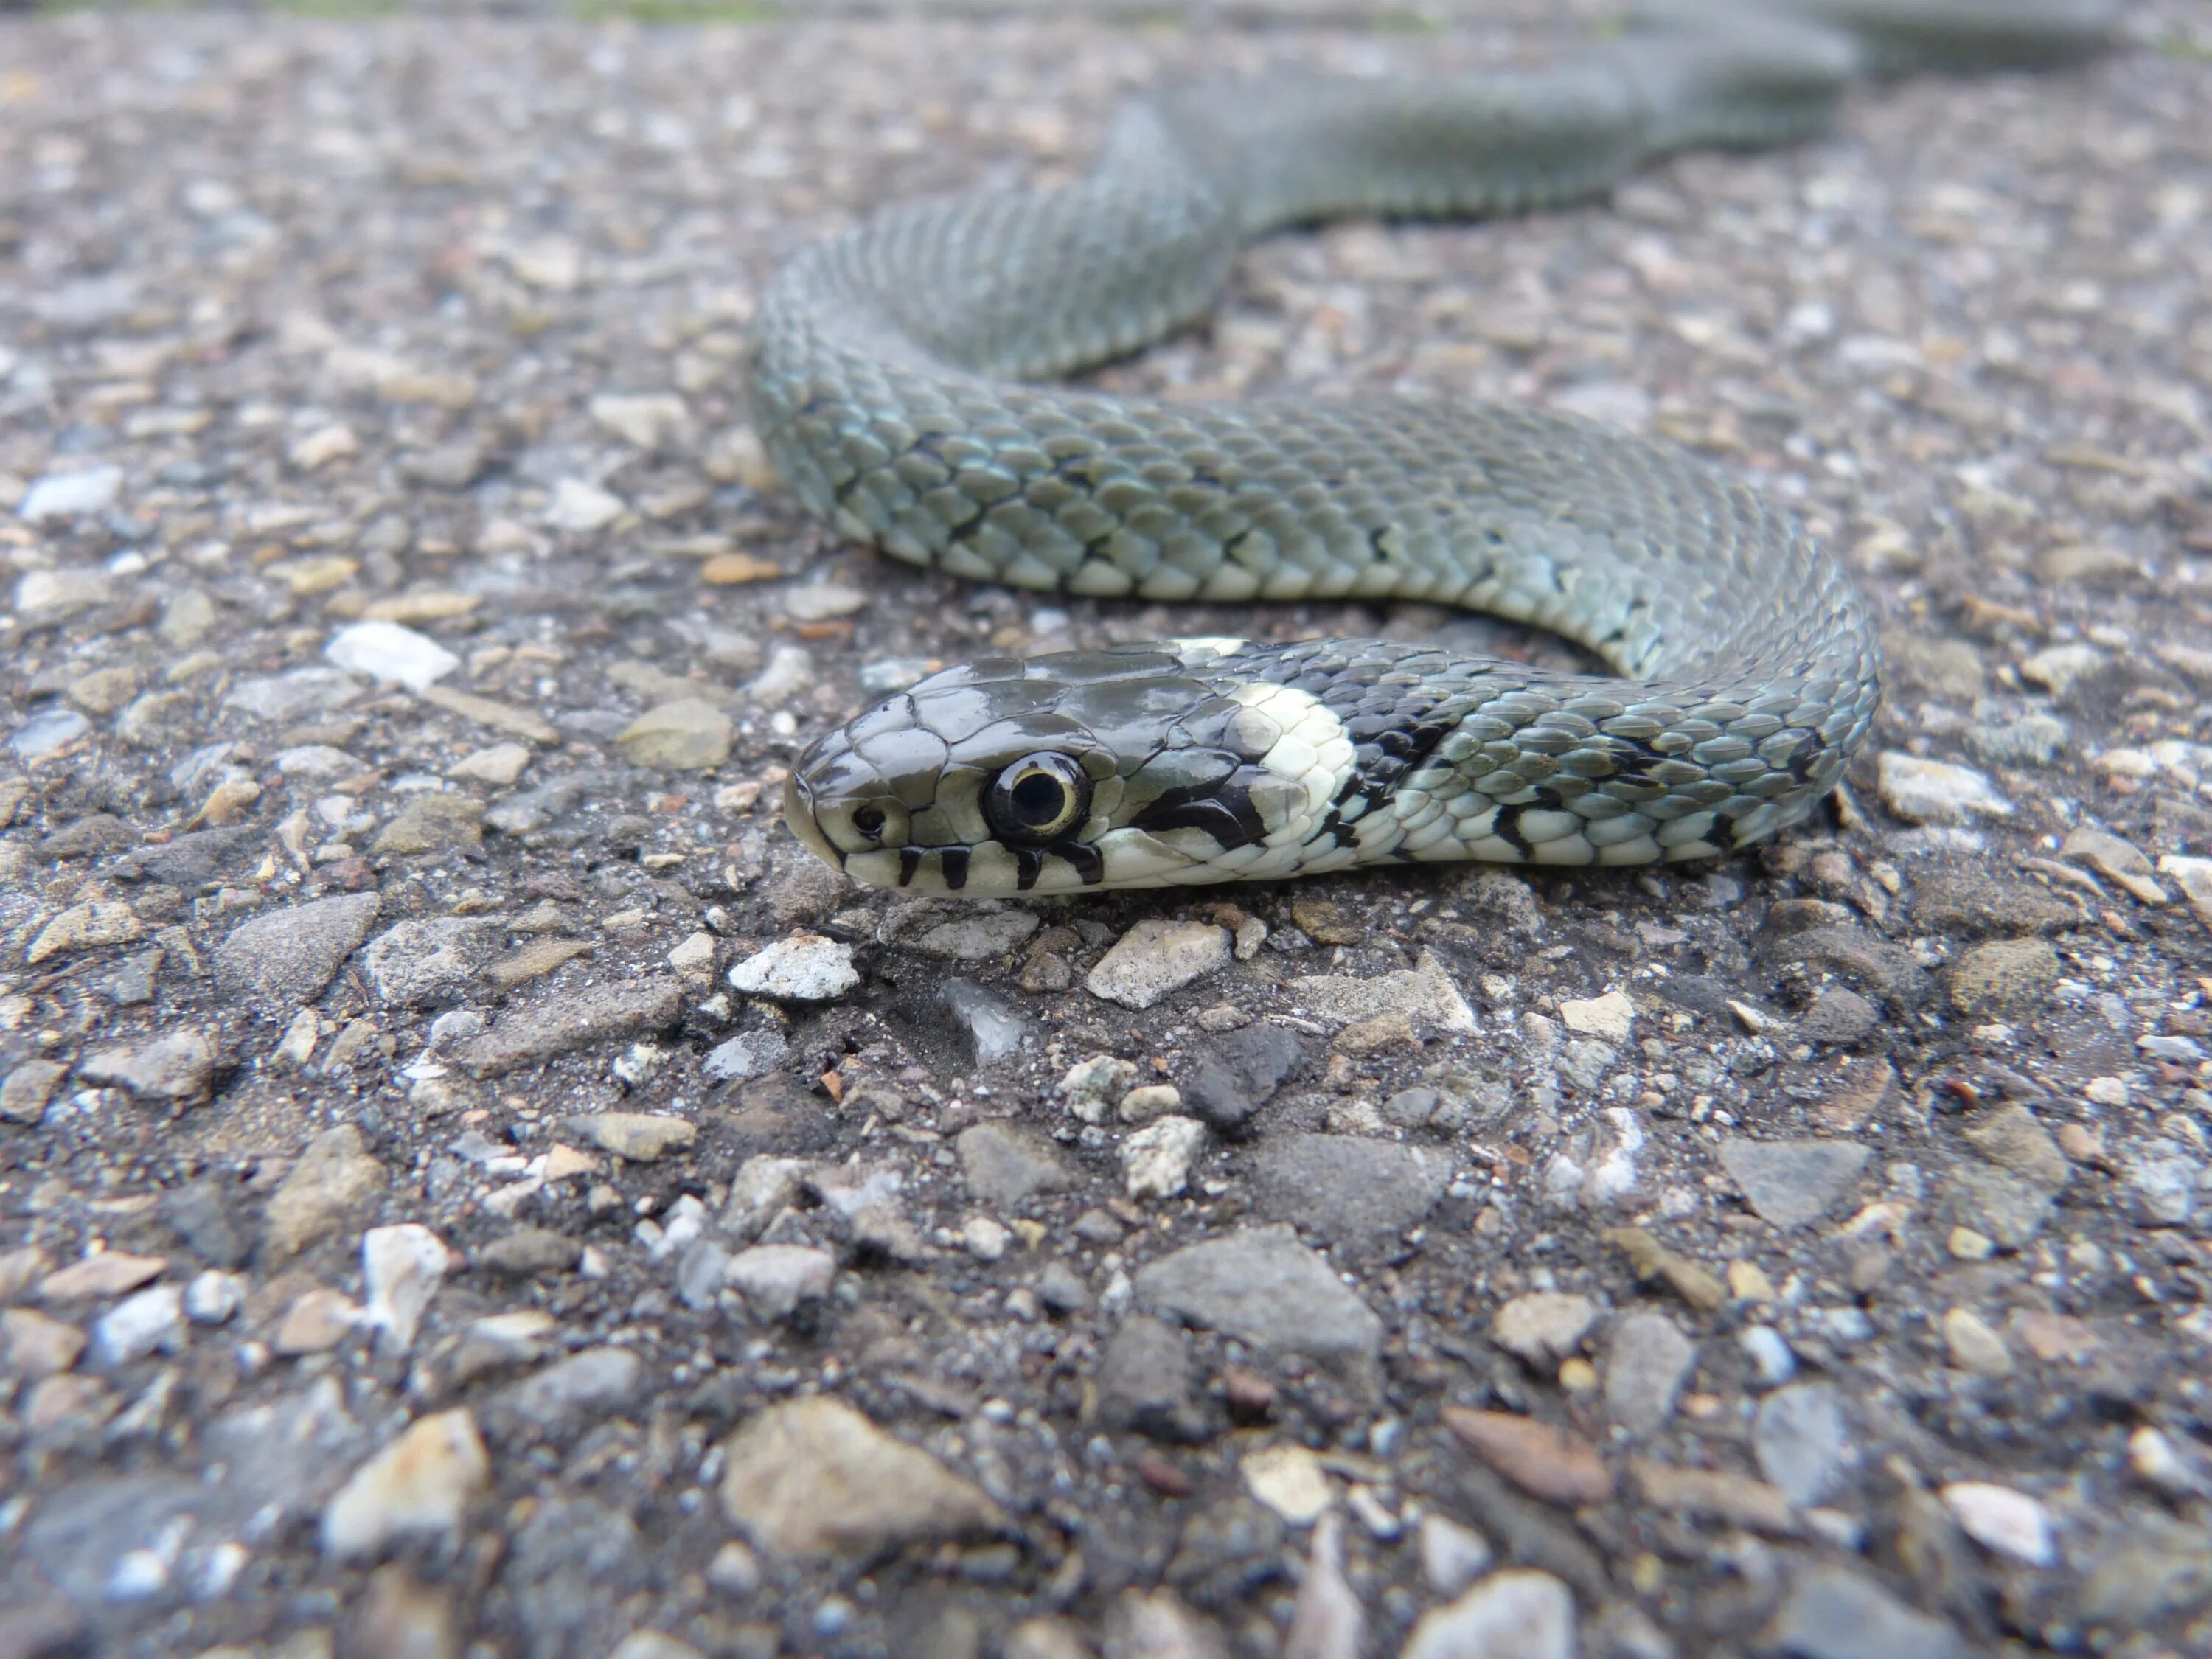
x=900 y=377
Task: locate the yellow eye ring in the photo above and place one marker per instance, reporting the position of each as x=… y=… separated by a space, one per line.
x=1038 y=799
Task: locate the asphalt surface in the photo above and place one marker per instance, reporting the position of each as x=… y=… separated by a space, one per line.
x=471 y=1184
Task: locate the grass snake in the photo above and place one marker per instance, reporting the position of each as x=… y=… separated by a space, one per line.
x=892 y=375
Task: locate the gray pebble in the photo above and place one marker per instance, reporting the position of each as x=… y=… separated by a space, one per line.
x=284 y=957
x=1003 y=1163
x=1233 y=1077
x=995 y=1032
x=1798 y=1437
x=1262 y=1286
x=1792 y=1183
x=1148 y=1383
x=1647 y=1362
x=1347 y=1189
x=1834 y=1613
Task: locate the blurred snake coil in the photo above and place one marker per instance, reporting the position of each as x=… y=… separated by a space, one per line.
x=893 y=375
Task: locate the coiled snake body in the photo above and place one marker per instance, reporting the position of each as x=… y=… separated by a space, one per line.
x=888 y=377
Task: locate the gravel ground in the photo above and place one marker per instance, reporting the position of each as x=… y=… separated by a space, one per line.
x=469 y=1183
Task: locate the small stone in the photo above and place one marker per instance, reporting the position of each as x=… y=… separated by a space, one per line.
x=1091 y=1087
x=47 y=733
x=1156 y=1160
x=1965 y=1244
x=431 y=823
x=995 y=1030
x=424 y=958
x=964 y=935
x=804 y=968
x=749 y=1053
x=1327 y=1620
x=1233 y=1077
x=529 y=1251
x=1694 y=1282
x=735 y=1571
x=334 y=1176
x=1647 y=1362
x=584 y=1386
x=533 y=960
x=1611 y=1017
x=1263 y=1287
x=1791 y=1183
x=1289 y=1481
x=1517 y=1613
x=315 y=1323
x=1922 y=791
x=564 y=1021
x=1452 y=1556
x=1423 y=993
x=775 y=1278
x=687 y=735
x=639 y=1137
x=1716 y=1494
x=984 y=1238
x=1147 y=1384
x=178 y=1067
x=1798 y=1436
x=646 y=420
x=1543 y=1460
x=1833 y=1612
x=1772 y=1359
x=420 y=1484
x=1347 y=1189
x=813 y=1477
x=2033 y=740
x=1975 y=1344
x=499 y=765
x=391 y=652
x=1005 y=1164
x=138 y=1325
x=1156 y=958
x=1839 y=1018
x=284 y=957
x=110 y=1273
x=212 y=1296
x=583 y=508
x=68 y=496
x=33 y=1347
x=2060 y=668
x=2117 y=860
x=1543 y=1327
x=27 y=1089
x=2000 y=977
x=1142 y=1105
x=1996 y=1204
x=2009 y=1522
x=694 y=954
x=85 y=927
x=401 y=1267
x=318 y=448
x=2013 y=1138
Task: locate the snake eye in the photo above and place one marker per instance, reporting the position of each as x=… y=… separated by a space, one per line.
x=869 y=821
x=1039 y=799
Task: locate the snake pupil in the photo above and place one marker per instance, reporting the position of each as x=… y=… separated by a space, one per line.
x=1038 y=798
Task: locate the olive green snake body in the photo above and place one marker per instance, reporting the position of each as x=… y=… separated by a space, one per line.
x=892 y=375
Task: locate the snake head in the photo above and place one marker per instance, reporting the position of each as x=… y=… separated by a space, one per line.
x=1129 y=767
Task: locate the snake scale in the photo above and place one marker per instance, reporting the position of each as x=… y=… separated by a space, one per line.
x=893 y=377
